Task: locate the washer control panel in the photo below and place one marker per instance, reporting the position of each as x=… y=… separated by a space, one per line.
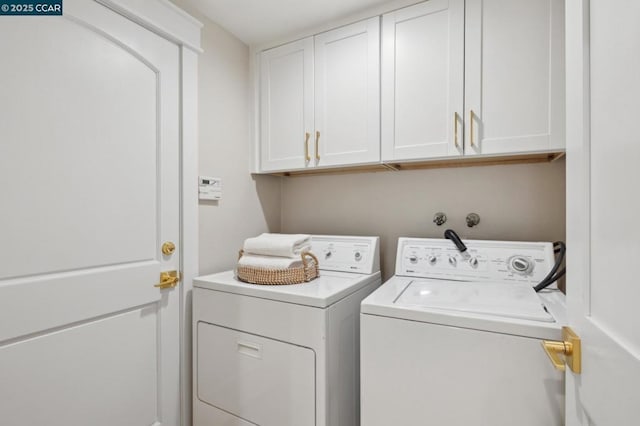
x=348 y=254
x=496 y=261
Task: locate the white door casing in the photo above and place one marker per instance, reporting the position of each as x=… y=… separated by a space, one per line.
x=286 y=106
x=89 y=166
x=347 y=95
x=422 y=81
x=514 y=76
x=602 y=210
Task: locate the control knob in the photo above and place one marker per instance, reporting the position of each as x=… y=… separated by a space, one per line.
x=413 y=259
x=473 y=262
x=521 y=264
x=432 y=259
x=453 y=261
x=358 y=256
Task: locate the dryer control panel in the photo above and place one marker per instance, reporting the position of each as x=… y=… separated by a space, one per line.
x=495 y=261
x=347 y=254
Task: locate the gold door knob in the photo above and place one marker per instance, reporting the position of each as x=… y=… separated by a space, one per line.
x=168 y=248
x=569 y=349
x=168 y=279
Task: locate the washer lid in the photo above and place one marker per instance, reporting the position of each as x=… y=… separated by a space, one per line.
x=513 y=300
x=324 y=291
x=494 y=314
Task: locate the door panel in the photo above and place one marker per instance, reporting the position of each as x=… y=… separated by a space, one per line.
x=90 y=160
x=602 y=286
x=55 y=380
x=67 y=106
x=286 y=105
x=514 y=75
x=347 y=94
x=422 y=81
x=257 y=379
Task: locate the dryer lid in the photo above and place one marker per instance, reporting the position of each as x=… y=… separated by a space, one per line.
x=510 y=300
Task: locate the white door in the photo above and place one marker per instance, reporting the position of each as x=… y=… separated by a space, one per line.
x=89 y=188
x=347 y=95
x=603 y=207
x=422 y=81
x=286 y=106
x=514 y=76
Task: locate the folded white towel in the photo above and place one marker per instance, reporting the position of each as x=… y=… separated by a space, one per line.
x=285 y=245
x=268 y=262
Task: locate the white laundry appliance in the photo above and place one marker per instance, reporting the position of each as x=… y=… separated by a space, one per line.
x=454 y=339
x=284 y=355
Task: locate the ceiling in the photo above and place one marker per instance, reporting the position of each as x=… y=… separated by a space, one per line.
x=260 y=21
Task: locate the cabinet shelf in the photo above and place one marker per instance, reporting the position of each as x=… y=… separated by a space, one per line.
x=544 y=157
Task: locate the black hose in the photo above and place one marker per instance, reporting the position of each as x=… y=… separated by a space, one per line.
x=554 y=275
x=453 y=236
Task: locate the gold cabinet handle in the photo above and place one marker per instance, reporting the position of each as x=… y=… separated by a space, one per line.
x=455 y=129
x=306 y=146
x=471 y=127
x=317 y=144
x=168 y=279
x=569 y=349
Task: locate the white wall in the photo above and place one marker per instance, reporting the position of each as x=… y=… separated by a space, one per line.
x=249 y=205
x=516 y=202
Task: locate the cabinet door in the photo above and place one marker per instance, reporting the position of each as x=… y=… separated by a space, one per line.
x=347 y=102
x=286 y=105
x=422 y=81
x=514 y=76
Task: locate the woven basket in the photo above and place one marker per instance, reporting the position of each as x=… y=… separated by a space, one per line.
x=265 y=276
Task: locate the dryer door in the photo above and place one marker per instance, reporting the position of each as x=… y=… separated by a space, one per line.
x=263 y=381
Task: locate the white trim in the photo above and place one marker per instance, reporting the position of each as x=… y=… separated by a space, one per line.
x=189 y=217
x=163 y=18
x=578 y=181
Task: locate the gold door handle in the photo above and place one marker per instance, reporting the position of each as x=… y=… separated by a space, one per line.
x=306 y=146
x=455 y=129
x=317 y=144
x=168 y=279
x=168 y=248
x=569 y=349
x=471 y=127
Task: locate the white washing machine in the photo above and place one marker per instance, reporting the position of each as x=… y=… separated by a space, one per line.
x=285 y=355
x=455 y=339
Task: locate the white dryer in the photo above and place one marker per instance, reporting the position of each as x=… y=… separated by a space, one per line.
x=285 y=355
x=455 y=339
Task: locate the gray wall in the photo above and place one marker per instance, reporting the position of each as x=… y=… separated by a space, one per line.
x=515 y=202
x=249 y=205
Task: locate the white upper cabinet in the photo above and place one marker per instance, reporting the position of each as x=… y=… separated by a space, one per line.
x=422 y=81
x=347 y=94
x=472 y=77
x=514 y=76
x=443 y=79
x=286 y=105
x=343 y=66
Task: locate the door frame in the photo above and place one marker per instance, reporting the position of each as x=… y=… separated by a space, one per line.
x=172 y=23
x=577 y=173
